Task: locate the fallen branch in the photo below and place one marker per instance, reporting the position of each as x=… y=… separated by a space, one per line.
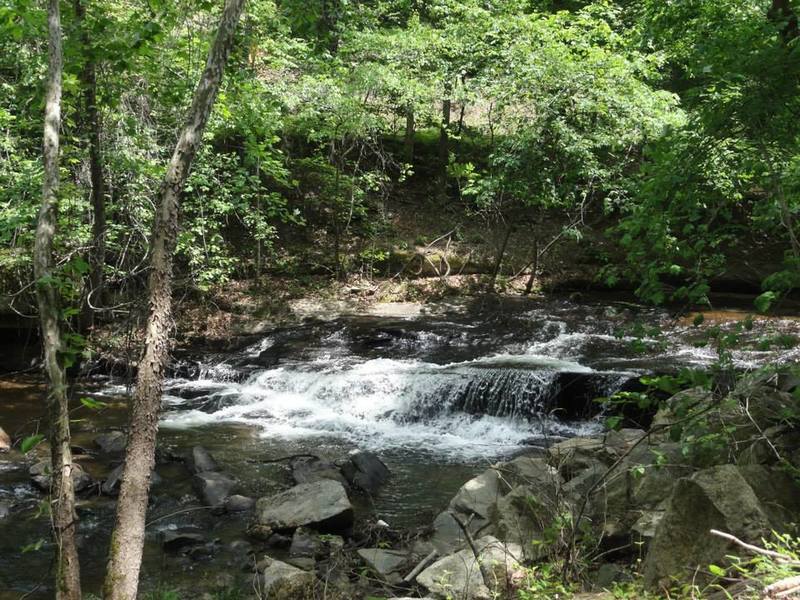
x=785 y=588
x=420 y=566
x=782 y=558
x=486 y=574
x=268 y=461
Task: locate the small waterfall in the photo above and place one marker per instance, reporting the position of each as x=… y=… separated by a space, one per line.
x=501 y=401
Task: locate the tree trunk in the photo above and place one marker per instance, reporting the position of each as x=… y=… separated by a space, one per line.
x=97 y=259
x=534 y=268
x=444 y=143
x=408 y=142
x=62 y=500
x=499 y=262
x=127 y=540
x=781 y=11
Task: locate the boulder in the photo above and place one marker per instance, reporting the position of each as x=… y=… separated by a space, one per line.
x=644 y=529
x=5 y=510
x=459 y=575
x=200 y=461
x=365 y=471
x=715 y=498
x=237 y=503
x=40 y=476
x=390 y=565
x=110 y=486
x=175 y=539
x=213 y=488
x=280 y=581
x=524 y=515
x=113 y=442
x=5 y=441
x=322 y=505
x=574 y=455
x=447 y=535
x=307 y=543
x=479 y=495
x=311 y=469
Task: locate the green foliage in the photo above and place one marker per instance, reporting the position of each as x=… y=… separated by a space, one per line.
x=30 y=442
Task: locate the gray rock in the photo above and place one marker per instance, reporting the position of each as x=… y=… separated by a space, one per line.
x=5 y=510
x=459 y=575
x=280 y=581
x=213 y=488
x=646 y=525
x=524 y=515
x=309 y=470
x=200 y=461
x=237 y=503
x=390 y=565
x=111 y=484
x=307 y=543
x=5 y=441
x=480 y=494
x=40 y=476
x=302 y=562
x=113 y=442
x=715 y=498
x=175 y=539
x=574 y=455
x=323 y=505
x=447 y=535
x=365 y=471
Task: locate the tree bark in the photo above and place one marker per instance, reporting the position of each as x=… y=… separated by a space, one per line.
x=89 y=83
x=408 y=142
x=782 y=12
x=97 y=258
x=127 y=540
x=500 y=255
x=62 y=493
x=444 y=143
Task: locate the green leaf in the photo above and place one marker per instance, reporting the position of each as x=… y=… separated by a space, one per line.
x=717 y=571
x=30 y=442
x=93 y=404
x=698 y=320
x=34 y=547
x=764 y=301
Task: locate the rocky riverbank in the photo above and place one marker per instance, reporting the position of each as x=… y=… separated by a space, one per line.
x=628 y=507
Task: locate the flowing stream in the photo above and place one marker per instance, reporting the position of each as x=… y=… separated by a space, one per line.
x=438 y=396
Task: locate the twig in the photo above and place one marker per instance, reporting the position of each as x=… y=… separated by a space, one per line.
x=788 y=560
x=486 y=575
x=783 y=588
x=283 y=458
x=420 y=566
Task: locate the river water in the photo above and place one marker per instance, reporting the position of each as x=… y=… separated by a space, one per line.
x=438 y=396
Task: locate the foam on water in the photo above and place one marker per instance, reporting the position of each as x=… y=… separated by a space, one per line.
x=486 y=405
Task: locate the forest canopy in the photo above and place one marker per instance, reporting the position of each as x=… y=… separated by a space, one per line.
x=665 y=130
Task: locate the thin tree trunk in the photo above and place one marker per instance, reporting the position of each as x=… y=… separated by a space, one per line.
x=97 y=258
x=444 y=143
x=534 y=268
x=499 y=262
x=408 y=142
x=127 y=540
x=782 y=12
x=62 y=501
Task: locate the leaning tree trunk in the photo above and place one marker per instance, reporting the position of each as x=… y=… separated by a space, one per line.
x=127 y=540
x=62 y=502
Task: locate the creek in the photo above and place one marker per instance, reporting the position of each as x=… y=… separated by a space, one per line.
x=438 y=396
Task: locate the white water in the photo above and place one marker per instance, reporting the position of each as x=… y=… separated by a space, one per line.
x=389 y=385
x=389 y=403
